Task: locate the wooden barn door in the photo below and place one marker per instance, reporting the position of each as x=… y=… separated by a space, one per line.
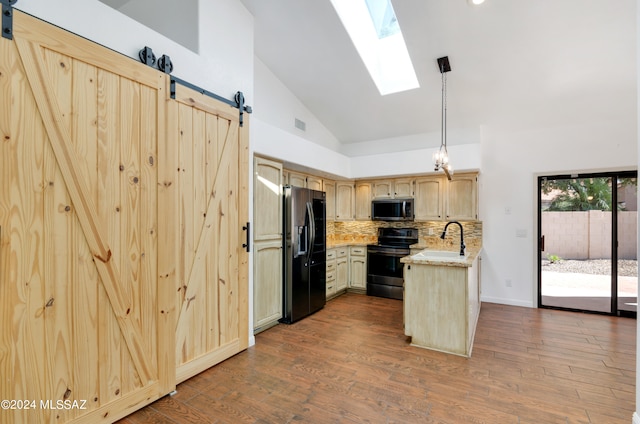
x=83 y=321
x=211 y=154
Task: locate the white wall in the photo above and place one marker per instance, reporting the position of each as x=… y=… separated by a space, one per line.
x=511 y=161
x=223 y=66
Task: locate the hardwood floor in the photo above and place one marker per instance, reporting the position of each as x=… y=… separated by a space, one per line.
x=351 y=363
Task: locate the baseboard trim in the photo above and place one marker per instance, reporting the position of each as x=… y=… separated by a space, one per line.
x=511 y=302
x=636 y=418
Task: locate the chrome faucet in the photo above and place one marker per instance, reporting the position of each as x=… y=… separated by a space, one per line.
x=444 y=234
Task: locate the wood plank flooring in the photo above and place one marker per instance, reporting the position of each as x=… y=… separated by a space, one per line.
x=351 y=363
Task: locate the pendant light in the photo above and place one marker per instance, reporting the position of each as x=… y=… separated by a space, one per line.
x=441 y=157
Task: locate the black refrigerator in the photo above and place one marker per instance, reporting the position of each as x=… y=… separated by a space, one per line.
x=304 y=253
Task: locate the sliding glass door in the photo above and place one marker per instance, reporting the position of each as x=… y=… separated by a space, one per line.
x=587 y=242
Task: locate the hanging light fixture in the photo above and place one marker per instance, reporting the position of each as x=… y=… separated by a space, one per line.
x=441 y=157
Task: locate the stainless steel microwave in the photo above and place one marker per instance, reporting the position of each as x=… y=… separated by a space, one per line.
x=392 y=210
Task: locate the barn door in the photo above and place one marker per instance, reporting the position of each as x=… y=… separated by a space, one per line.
x=81 y=316
x=211 y=153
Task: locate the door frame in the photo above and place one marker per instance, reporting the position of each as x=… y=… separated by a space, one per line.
x=614 y=175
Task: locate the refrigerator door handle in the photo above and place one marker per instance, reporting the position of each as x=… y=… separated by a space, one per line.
x=312 y=229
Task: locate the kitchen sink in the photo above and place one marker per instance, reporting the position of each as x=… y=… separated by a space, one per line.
x=435 y=255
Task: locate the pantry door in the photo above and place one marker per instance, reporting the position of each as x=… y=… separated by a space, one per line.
x=82 y=320
x=211 y=154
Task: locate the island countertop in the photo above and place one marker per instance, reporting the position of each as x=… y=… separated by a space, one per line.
x=471 y=255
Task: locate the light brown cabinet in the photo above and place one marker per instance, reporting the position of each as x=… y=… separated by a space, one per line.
x=267 y=248
x=314 y=183
x=296 y=179
x=462 y=198
x=403 y=187
x=329 y=187
x=441 y=306
x=358 y=267
x=437 y=199
x=363 y=201
x=331 y=273
x=382 y=189
x=342 y=268
x=345 y=201
x=392 y=189
x=429 y=200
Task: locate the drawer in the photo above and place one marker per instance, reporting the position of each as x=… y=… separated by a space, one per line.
x=331 y=254
x=341 y=252
x=331 y=276
x=331 y=265
x=358 y=251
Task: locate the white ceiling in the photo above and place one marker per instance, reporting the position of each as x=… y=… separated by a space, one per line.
x=527 y=63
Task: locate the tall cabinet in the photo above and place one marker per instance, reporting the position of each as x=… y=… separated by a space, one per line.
x=267 y=247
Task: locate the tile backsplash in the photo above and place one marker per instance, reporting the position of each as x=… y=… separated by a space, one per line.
x=367 y=232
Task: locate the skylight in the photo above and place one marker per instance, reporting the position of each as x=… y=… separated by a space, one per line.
x=375 y=32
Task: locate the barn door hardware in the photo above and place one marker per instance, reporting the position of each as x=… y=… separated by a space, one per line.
x=248 y=230
x=7 y=18
x=147 y=56
x=237 y=102
x=165 y=64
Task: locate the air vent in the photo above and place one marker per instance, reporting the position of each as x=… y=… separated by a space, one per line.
x=301 y=125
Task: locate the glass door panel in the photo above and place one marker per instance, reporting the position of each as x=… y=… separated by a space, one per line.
x=627 y=200
x=575 y=243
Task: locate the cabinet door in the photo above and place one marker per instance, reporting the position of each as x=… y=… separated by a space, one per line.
x=267 y=289
x=329 y=187
x=296 y=179
x=429 y=198
x=267 y=199
x=383 y=189
x=314 y=183
x=345 y=201
x=363 y=201
x=358 y=270
x=403 y=188
x=462 y=198
x=342 y=273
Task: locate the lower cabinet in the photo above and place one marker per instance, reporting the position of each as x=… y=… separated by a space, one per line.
x=358 y=267
x=267 y=295
x=331 y=273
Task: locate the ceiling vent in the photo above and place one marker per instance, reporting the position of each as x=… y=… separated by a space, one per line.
x=301 y=125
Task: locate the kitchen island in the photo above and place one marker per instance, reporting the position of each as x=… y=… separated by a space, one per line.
x=442 y=300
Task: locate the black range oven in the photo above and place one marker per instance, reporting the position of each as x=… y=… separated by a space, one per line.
x=384 y=270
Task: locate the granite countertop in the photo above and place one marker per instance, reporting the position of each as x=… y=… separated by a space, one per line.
x=472 y=254
x=343 y=243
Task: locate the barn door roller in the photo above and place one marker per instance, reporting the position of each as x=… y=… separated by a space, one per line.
x=7 y=18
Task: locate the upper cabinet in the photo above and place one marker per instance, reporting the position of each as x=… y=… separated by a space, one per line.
x=436 y=198
x=389 y=189
x=363 y=201
x=429 y=201
x=462 y=198
x=267 y=225
x=314 y=183
x=403 y=187
x=383 y=189
x=296 y=179
x=345 y=201
x=329 y=187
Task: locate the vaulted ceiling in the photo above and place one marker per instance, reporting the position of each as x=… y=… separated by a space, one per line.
x=527 y=63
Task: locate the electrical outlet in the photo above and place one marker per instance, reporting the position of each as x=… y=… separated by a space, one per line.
x=430 y=231
x=507 y=282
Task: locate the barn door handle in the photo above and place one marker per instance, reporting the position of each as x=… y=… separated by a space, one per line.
x=248 y=230
x=542 y=243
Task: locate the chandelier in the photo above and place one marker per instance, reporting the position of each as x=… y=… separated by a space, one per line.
x=441 y=156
